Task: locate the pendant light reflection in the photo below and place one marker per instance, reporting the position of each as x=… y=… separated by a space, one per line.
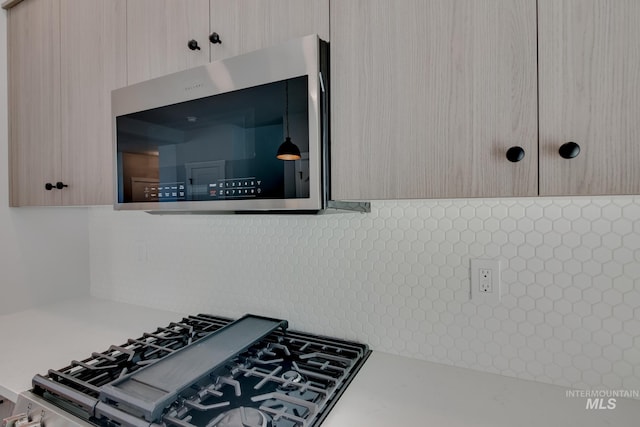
x=288 y=150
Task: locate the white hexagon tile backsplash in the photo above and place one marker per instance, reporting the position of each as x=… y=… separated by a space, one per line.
x=398 y=279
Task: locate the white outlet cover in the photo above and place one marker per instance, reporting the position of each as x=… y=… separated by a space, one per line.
x=486 y=297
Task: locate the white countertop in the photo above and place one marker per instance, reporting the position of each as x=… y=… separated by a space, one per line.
x=388 y=391
x=394 y=391
x=36 y=340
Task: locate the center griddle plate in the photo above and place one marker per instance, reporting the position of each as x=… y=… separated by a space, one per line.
x=149 y=390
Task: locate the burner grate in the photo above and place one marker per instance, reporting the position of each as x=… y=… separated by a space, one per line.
x=88 y=375
x=286 y=379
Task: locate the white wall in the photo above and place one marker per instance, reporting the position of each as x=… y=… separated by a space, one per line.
x=398 y=278
x=43 y=251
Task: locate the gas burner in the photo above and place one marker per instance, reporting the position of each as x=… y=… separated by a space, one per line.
x=222 y=374
x=292 y=380
x=242 y=417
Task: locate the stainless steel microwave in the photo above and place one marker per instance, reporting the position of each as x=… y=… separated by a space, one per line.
x=244 y=134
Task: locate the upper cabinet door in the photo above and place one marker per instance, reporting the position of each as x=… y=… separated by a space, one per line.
x=34 y=102
x=427 y=96
x=589 y=54
x=158 y=36
x=246 y=25
x=93 y=63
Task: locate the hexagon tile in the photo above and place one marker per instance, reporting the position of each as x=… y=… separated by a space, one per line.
x=398 y=279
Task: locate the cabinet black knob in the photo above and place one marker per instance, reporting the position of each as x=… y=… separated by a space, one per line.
x=193 y=45
x=59 y=185
x=515 y=154
x=215 y=38
x=569 y=150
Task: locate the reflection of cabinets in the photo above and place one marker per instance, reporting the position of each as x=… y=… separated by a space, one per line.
x=427 y=96
x=138 y=170
x=159 y=31
x=65 y=57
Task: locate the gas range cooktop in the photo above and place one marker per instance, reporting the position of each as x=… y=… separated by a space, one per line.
x=204 y=371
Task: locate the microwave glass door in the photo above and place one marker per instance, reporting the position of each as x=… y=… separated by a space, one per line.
x=221 y=147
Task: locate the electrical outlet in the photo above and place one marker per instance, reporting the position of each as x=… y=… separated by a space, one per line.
x=485 y=280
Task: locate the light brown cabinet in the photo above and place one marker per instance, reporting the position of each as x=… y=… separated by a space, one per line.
x=246 y=25
x=589 y=74
x=427 y=97
x=159 y=31
x=33 y=31
x=65 y=57
x=93 y=63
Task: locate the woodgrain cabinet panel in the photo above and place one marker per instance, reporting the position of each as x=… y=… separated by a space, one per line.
x=65 y=58
x=589 y=65
x=427 y=96
x=67 y=55
x=158 y=32
x=93 y=53
x=34 y=102
x=246 y=25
